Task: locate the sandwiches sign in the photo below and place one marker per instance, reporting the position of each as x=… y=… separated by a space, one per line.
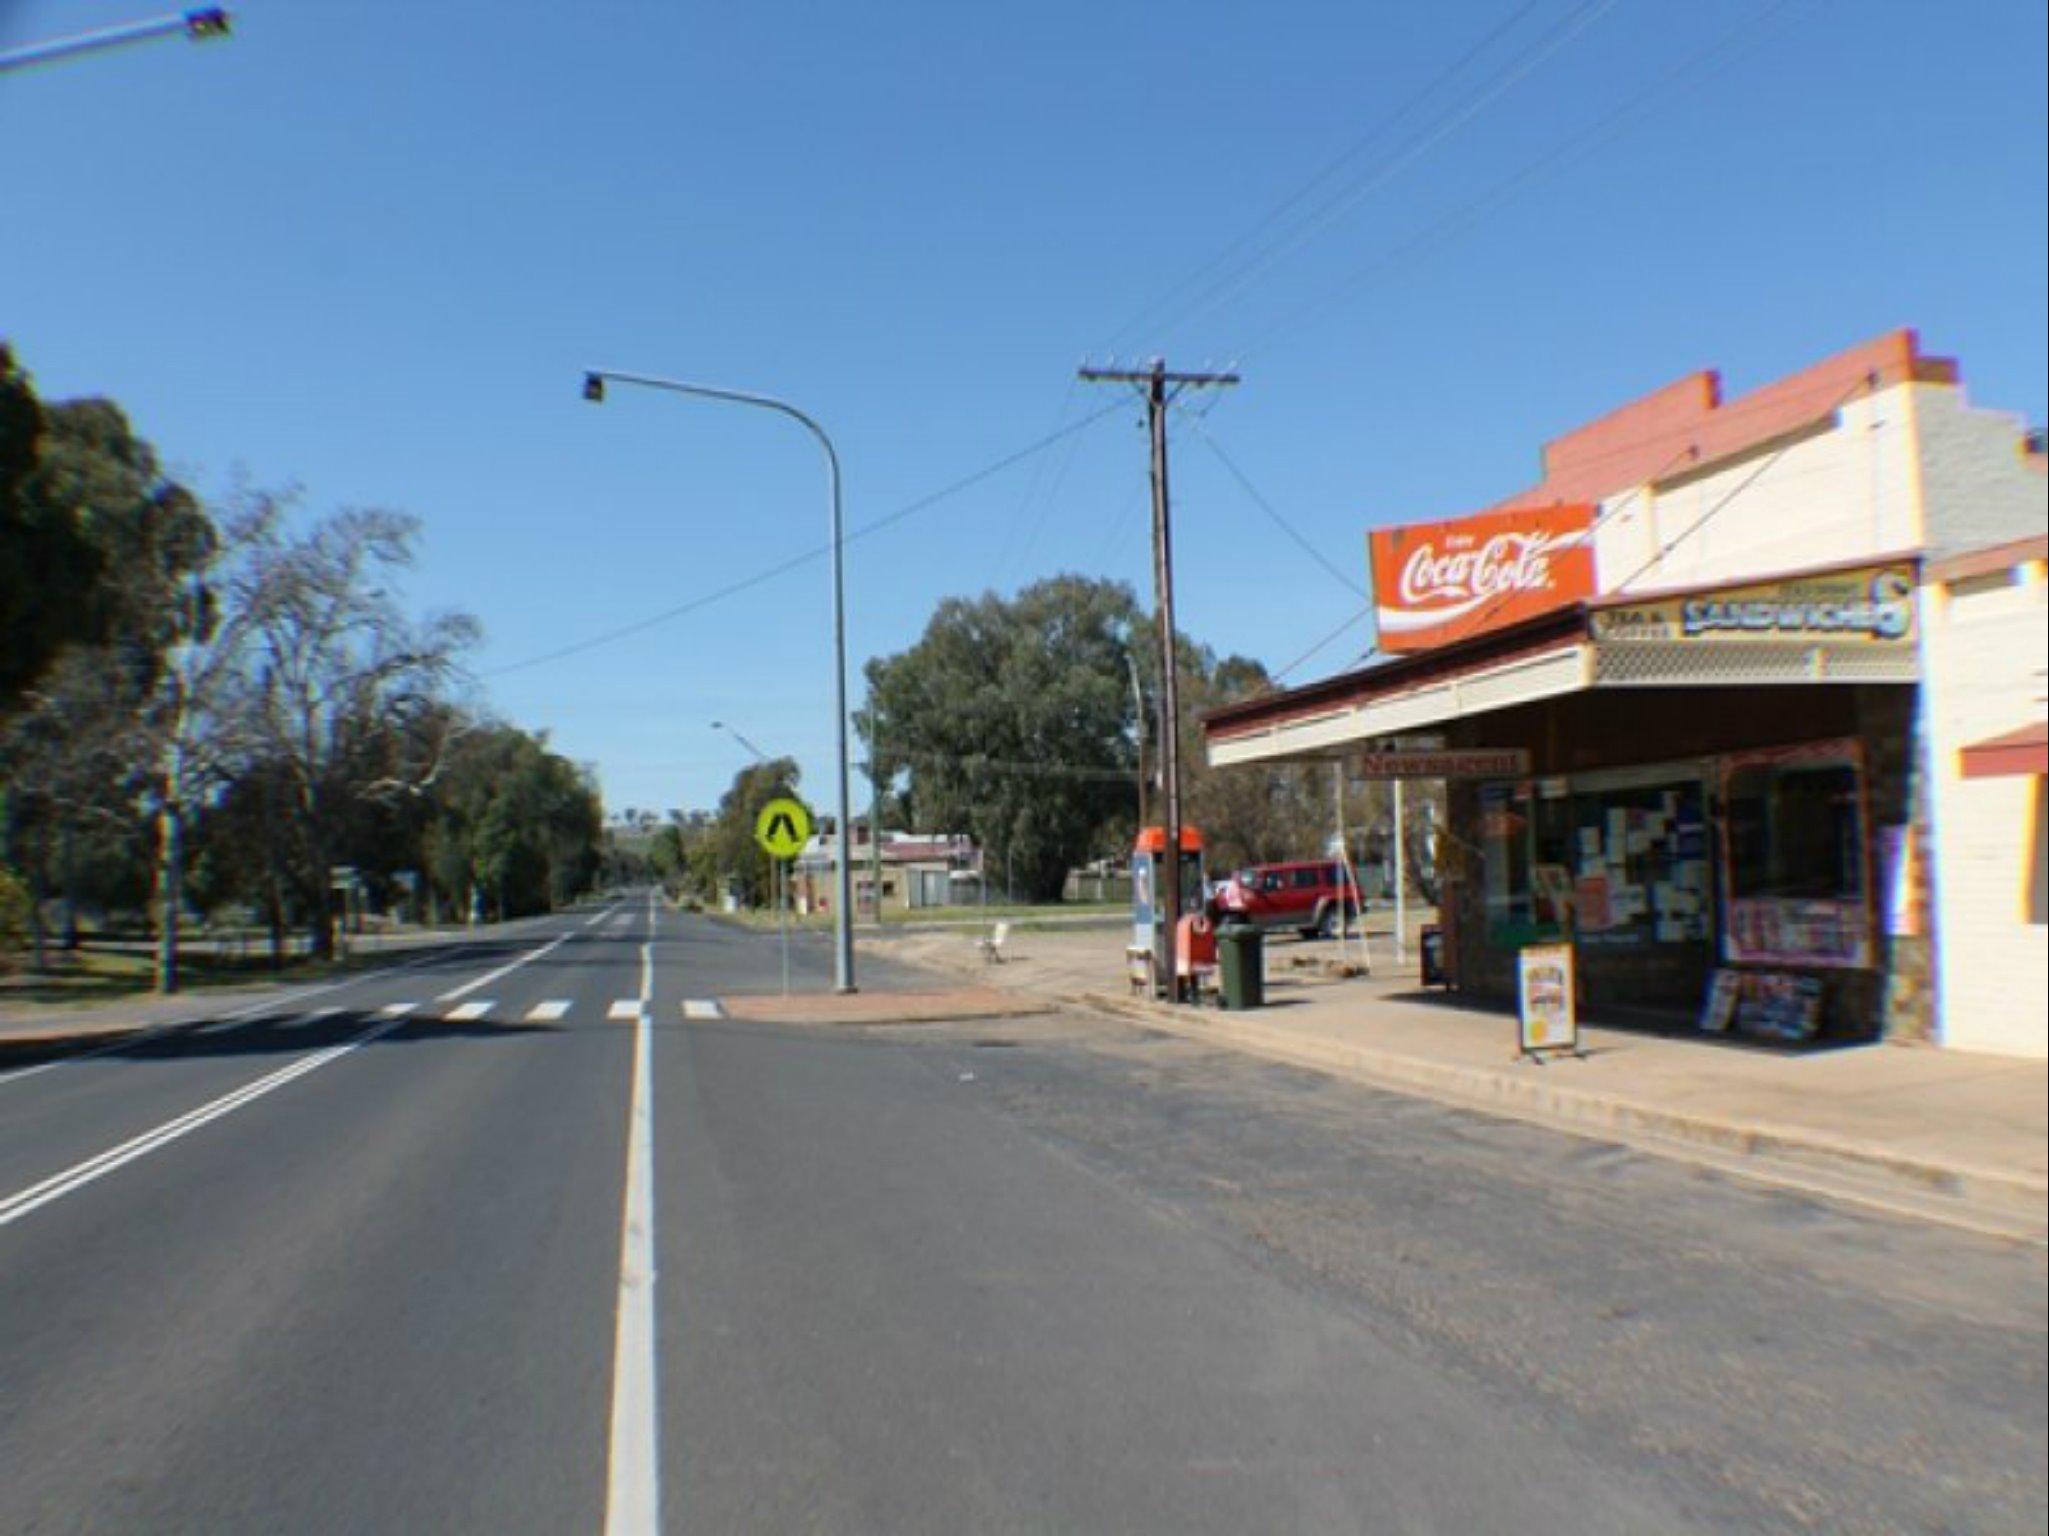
x=1438 y=582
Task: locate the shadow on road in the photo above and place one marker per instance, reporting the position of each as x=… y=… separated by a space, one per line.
x=278 y=1034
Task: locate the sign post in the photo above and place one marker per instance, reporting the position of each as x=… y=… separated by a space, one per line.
x=782 y=828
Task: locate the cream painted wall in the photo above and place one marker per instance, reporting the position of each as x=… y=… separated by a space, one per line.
x=1911 y=466
x=1843 y=492
x=1986 y=652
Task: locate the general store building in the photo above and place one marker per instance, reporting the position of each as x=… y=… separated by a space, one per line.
x=1688 y=662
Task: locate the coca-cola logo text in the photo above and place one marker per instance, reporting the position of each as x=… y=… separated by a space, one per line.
x=1459 y=580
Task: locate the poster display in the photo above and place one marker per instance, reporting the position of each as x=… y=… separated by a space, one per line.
x=1774 y=930
x=1548 y=1019
x=1718 y=1014
x=1776 y=1006
x=1640 y=873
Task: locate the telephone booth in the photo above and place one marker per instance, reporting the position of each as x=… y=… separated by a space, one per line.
x=1152 y=926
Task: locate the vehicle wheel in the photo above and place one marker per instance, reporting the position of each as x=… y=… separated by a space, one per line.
x=1327 y=923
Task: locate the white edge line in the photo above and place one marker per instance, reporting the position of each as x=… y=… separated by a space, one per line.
x=22 y=1202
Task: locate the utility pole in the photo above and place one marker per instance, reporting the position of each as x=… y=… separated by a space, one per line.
x=1138 y=714
x=1162 y=388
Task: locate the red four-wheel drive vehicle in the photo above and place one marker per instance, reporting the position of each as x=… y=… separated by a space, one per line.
x=1310 y=897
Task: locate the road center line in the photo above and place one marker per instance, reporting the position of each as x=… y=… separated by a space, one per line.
x=633 y=1496
x=76 y=1177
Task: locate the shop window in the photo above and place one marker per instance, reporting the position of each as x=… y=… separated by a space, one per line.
x=1612 y=868
x=1796 y=857
x=1505 y=864
x=1641 y=869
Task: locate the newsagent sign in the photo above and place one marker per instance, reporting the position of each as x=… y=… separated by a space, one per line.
x=1871 y=605
x=1434 y=583
x=1472 y=763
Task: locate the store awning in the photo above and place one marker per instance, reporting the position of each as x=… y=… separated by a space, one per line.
x=1844 y=623
x=2017 y=754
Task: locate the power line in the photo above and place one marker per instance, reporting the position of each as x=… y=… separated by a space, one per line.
x=1363 y=613
x=1032 y=484
x=1373 y=135
x=794 y=562
x=1504 y=80
x=1868 y=382
x=1269 y=509
x=1587 y=139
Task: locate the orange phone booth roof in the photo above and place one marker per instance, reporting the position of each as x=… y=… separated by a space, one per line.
x=1154 y=840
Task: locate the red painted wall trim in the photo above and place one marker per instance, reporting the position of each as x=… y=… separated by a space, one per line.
x=2017 y=754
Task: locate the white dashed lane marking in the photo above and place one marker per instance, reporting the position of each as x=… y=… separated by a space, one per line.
x=313 y=1018
x=548 y=1012
x=397 y=1010
x=702 y=1008
x=463 y=1013
x=625 y=1009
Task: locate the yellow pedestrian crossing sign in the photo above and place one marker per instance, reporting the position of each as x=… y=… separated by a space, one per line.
x=783 y=827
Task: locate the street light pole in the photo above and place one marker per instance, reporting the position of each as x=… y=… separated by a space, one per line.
x=594 y=381
x=199 y=25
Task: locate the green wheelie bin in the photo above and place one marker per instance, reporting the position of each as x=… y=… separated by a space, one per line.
x=1240 y=966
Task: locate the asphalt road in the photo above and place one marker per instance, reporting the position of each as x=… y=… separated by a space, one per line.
x=524 y=1237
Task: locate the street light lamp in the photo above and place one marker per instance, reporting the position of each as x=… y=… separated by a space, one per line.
x=594 y=382
x=759 y=755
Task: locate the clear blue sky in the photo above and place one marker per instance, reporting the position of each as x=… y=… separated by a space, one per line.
x=371 y=247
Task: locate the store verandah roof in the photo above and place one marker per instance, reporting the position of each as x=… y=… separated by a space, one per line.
x=1611 y=642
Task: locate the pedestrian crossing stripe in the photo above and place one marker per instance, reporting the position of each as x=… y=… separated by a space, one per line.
x=548 y=1012
x=463 y=1013
x=702 y=1008
x=625 y=1009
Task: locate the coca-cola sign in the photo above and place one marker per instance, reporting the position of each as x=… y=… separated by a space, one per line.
x=1438 y=582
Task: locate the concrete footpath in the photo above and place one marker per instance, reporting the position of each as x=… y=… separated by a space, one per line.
x=1945 y=1135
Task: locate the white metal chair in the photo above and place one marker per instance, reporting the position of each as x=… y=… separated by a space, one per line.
x=991 y=944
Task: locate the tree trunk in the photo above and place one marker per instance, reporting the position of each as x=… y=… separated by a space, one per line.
x=68 y=935
x=170 y=891
x=322 y=929
x=41 y=962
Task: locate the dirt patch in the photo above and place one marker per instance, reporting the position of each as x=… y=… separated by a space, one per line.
x=884 y=1007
